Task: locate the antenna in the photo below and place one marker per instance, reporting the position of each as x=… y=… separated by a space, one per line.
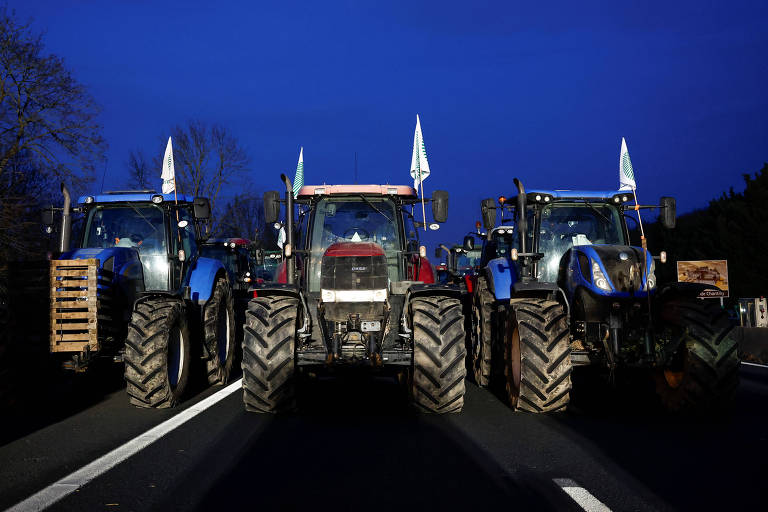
x=355 y=167
x=103 y=174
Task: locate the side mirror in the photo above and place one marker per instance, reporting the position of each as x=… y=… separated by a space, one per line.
x=201 y=208
x=258 y=256
x=271 y=206
x=47 y=217
x=438 y=252
x=440 y=205
x=469 y=243
x=668 y=214
x=488 y=210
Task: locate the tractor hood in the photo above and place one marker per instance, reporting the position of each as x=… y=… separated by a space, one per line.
x=121 y=256
x=614 y=270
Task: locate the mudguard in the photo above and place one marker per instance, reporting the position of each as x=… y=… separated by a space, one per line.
x=201 y=278
x=269 y=289
x=416 y=290
x=502 y=275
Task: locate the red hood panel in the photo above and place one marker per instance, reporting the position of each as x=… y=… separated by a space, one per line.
x=340 y=249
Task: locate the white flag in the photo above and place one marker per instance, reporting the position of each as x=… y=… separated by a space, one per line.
x=298 y=179
x=281 y=237
x=419 y=163
x=168 y=174
x=626 y=174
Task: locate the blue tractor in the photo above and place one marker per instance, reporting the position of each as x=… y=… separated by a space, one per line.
x=573 y=248
x=135 y=289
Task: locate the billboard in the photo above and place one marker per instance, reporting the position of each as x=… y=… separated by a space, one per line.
x=710 y=272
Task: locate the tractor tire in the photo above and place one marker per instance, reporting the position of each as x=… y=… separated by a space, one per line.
x=704 y=373
x=537 y=357
x=269 y=380
x=157 y=353
x=482 y=338
x=439 y=352
x=219 y=329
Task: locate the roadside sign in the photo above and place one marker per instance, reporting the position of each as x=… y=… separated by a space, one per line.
x=710 y=272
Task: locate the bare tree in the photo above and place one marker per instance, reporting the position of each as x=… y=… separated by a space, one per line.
x=139 y=172
x=44 y=112
x=243 y=216
x=207 y=157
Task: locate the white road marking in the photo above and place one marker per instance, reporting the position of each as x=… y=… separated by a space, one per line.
x=581 y=496
x=755 y=364
x=74 y=481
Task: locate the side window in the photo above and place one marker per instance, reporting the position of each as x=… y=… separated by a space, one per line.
x=411 y=234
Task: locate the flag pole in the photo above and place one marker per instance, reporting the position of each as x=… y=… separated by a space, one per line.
x=423 y=211
x=640 y=221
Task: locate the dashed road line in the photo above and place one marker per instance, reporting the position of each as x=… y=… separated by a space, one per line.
x=74 y=481
x=581 y=496
x=755 y=364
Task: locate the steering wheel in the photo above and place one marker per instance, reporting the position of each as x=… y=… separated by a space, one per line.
x=363 y=234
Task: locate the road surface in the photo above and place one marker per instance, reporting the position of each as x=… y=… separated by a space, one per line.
x=356 y=445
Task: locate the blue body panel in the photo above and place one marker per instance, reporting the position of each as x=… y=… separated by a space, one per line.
x=502 y=275
x=133 y=198
x=600 y=195
x=201 y=277
x=576 y=280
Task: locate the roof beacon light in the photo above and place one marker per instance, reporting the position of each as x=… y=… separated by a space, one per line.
x=502 y=199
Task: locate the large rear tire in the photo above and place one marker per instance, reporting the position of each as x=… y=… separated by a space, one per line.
x=704 y=373
x=157 y=353
x=269 y=381
x=219 y=328
x=480 y=355
x=537 y=356
x=439 y=353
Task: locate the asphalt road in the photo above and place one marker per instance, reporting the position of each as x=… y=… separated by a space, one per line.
x=356 y=445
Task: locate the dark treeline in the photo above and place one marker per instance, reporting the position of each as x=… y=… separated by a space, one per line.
x=733 y=227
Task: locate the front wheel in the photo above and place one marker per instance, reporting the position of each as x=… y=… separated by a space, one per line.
x=157 y=353
x=480 y=355
x=704 y=372
x=537 y=356
x=219 y=327
x=439 y=352
x=269 y=381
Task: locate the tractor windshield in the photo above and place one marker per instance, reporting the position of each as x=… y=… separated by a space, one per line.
x=354 y=219
x=564 y=225
x=139 y=227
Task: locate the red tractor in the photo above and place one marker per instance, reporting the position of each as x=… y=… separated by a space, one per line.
x=354 y=289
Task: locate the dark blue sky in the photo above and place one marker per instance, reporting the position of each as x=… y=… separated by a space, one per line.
x=503 y=88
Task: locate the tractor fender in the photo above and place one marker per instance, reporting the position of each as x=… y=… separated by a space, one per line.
x=671 y=291
x=502 y=275
x=201 y=278
x=274 y=288
x=416 y=290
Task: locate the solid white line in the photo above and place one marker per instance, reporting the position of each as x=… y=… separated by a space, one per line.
x=72 y=482
x=755 y=364
x=581 y=496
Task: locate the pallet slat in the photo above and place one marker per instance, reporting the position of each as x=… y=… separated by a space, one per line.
x=74 y=320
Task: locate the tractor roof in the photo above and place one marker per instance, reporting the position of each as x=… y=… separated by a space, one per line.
x=132 y=197
x=597 y=195
x=308 y=191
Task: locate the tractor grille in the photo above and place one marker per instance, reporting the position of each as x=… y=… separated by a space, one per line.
x=354 y=272
x=626 y=275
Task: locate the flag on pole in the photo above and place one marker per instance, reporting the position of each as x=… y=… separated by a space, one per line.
x=419 y=163
x=168 y=174
x=281 y=236
x=626 y=174
x=298 y=180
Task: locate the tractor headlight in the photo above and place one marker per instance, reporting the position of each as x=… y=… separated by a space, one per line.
x=651 y=279
x=599 y=278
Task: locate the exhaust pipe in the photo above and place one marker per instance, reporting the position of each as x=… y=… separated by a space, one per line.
x=290 y=262
x=522 y=227
x=66 y=220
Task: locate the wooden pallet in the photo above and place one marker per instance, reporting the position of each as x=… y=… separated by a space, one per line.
x=74 y=305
